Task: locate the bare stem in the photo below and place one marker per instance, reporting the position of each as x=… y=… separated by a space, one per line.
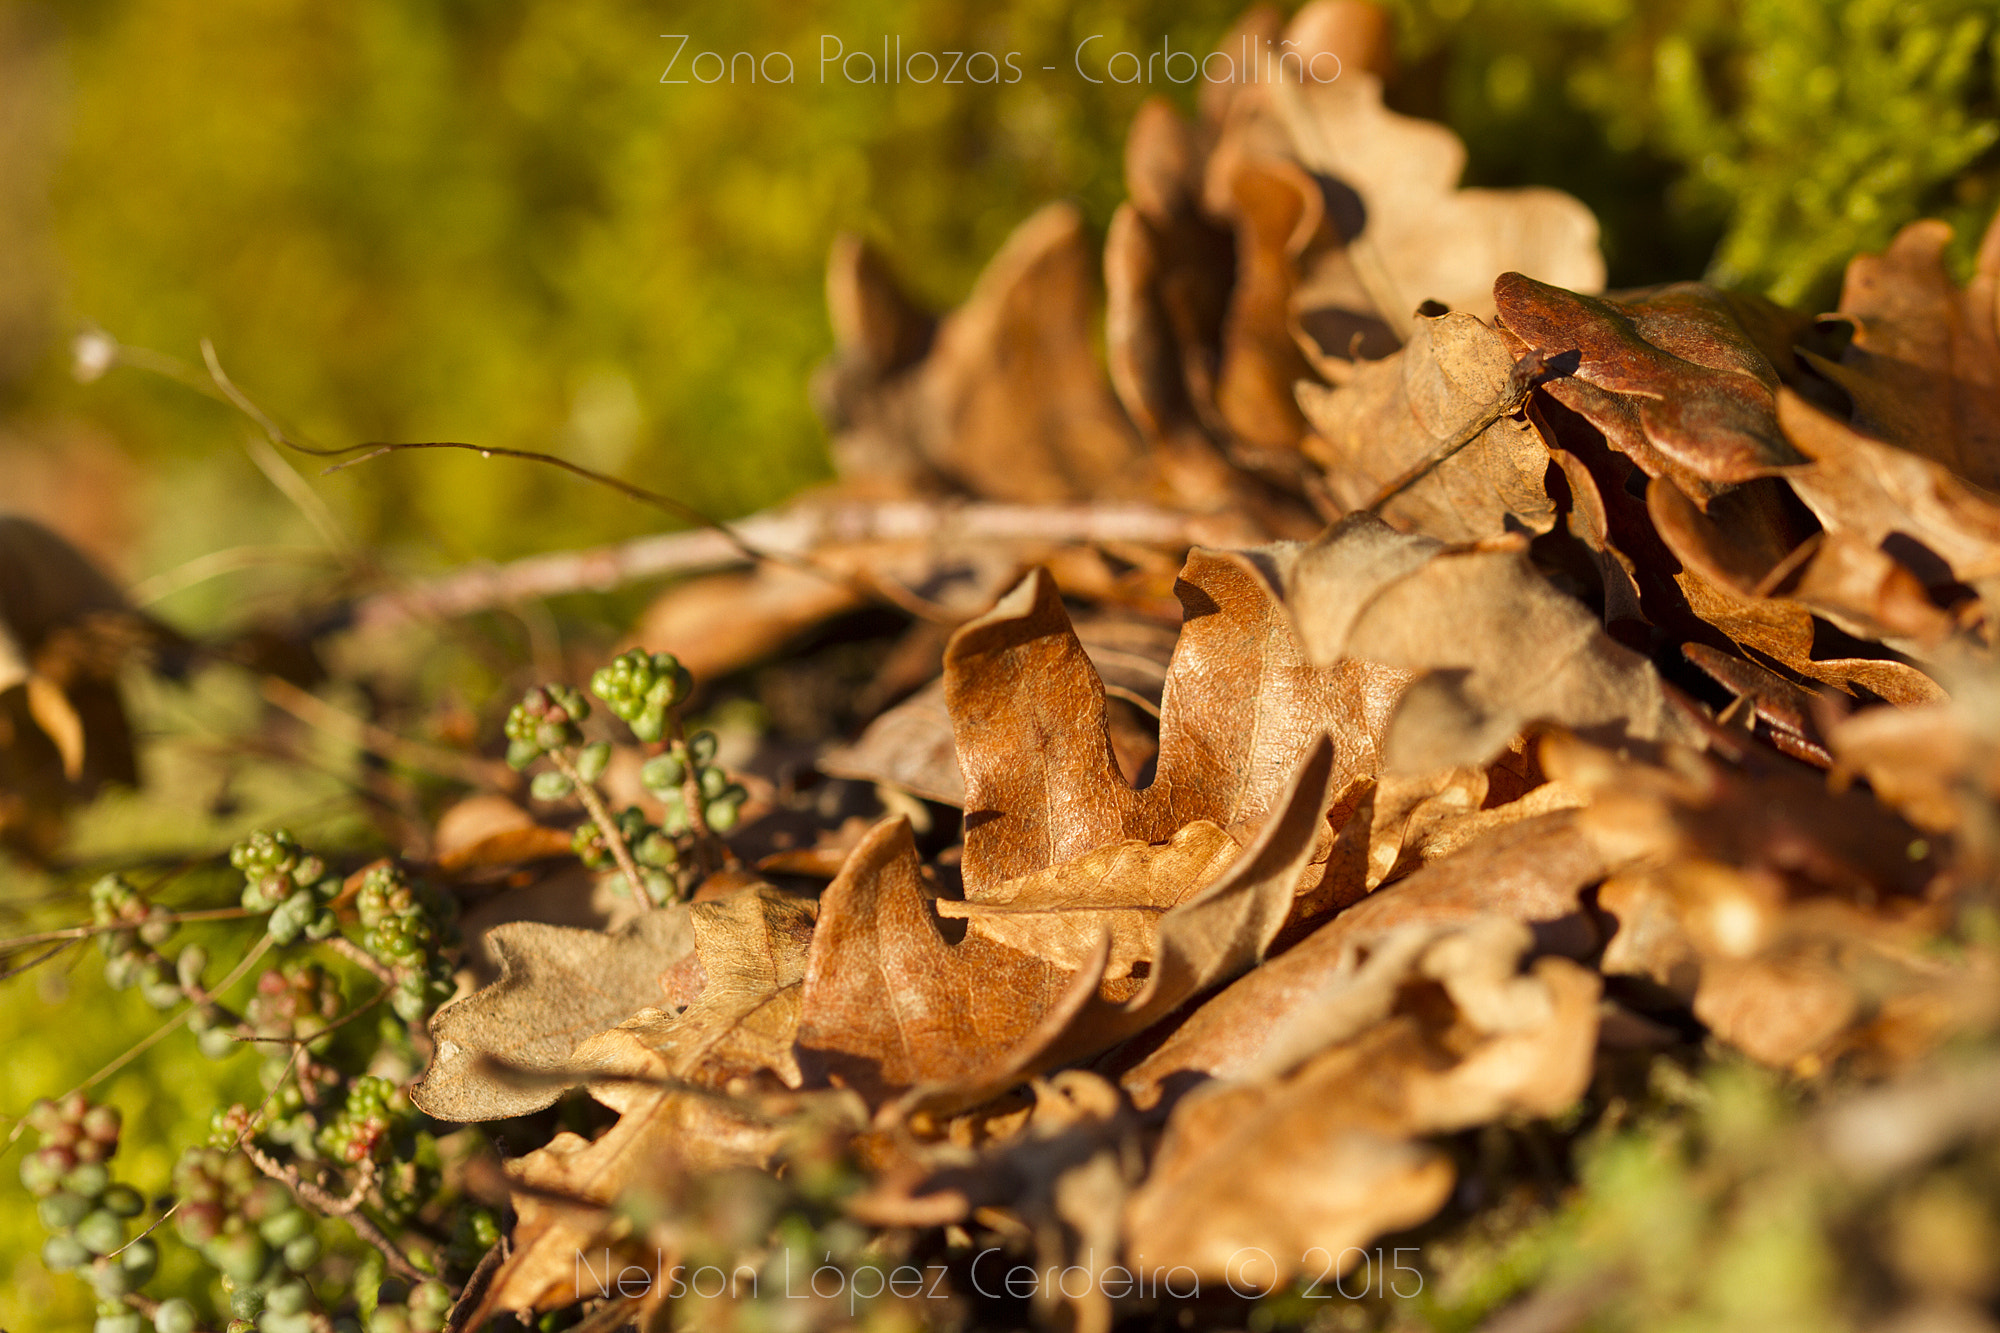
x=359 y=956
x=605 y=827
x=348 y=1208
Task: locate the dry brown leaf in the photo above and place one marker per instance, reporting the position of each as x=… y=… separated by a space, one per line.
x=719 y=622
x=1741 y=572
x=1878 y=492
x=1924 y=367
x=1252 y=1178
x=1531 y=871
x=1502 y=647
x=1421 y=237
x=65 y=632
x=1395 y=414
x=911 y=746
x=1675 y=378
x=888 y=1002
x=1241 y=707
x=1790 y=916
x=890 y=1005
x=486 y=831
x=557 y=988
x=1935 y=765
x=562 y=1192
x=1123 y=889
x=751 y=949
x=1007 y=402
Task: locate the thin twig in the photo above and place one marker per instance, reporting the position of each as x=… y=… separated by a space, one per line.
x=606 y=829
x=317 y=713
x=347 y=1209
x=467 y=1298
x=360 y=957
x=1529 y=373
x=1133 y=697
x=85 y=932
x=794 y=531
x=36 y=961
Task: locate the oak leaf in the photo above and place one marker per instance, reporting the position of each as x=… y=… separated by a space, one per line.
x=1501 y=646
x=1395 y=414
x=558 y=987
x=1673 y=378
x=1328 y=1158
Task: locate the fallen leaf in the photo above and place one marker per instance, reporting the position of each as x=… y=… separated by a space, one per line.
x=1241 y=706
x=1395 y=414
x=1672 y=378
x=1253 y=1178
x=558 y=987
x=1531 y=871
x=1924 y=367
x=1124 y=889
x=1502 y=647
x=751 y=948
x=1877 y=492
x=1419 y=236
x=887 y=1001
x=1007 y=401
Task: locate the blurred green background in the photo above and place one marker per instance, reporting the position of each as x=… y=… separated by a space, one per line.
x=490 y=221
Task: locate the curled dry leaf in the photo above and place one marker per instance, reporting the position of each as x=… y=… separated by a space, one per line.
x=1253 y=1177
x=1006 y=401
x=1503 y=647
x=1393 y=415
x=888 y=1002
x=1789 y=916
x=1531 y=871
x=1938 y=765
x=1674 y=379
x=1741 y=571
x=65 y=631
x=890 y=1005
x=1923 y=370
x=1879 y=492
x=1419 y=237
x=1241 y=707
x=1123 y=890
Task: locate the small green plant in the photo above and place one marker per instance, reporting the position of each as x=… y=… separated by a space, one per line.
x=646 y=690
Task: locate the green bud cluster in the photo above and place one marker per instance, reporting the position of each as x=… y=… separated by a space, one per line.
x=250 y=1230
x=410 y=927
x=295 y=1000
x=546 y=719
x=281 y=878
x=423 y=1310
x=84 y=1211
x=643 y=688
x=132 y=958
x=374 y=1108
x=665 y=775
x=655 y=852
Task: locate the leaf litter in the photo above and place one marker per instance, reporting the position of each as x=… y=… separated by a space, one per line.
x=1450 y=759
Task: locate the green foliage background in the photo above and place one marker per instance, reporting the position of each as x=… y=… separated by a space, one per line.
x=487 y=220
